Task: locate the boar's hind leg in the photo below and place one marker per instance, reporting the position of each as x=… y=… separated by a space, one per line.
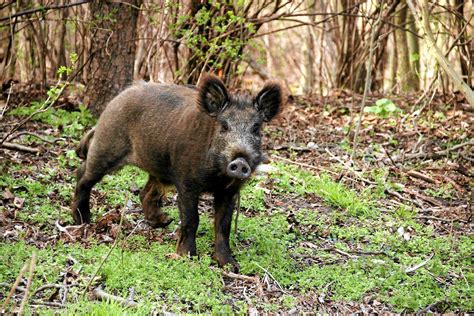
x=89 y=173
x=151 y=196
x=224 y=203
x=189 y=216
x=80 y=204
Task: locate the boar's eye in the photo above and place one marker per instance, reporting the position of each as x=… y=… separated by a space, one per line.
x=255 y=129
x=224 y=127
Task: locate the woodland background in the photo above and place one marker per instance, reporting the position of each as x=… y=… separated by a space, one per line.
x=366 y=205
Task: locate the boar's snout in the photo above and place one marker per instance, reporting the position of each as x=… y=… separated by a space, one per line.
x=238 y=168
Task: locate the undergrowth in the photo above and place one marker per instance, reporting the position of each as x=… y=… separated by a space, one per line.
x=345 y=251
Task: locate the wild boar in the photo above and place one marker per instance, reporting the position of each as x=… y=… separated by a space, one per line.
x=197 y=139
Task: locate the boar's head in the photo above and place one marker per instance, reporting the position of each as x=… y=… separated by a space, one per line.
x=236 y=144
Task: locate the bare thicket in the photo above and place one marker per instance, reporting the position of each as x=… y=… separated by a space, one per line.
x=314 y=46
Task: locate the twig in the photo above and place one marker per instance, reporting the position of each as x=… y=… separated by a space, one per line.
x=31 y=134
x=304 y=164
x=47 y=286
x=368 y=80
x=13 y=288
x=236 y=276
x=435 y=154
x=270 y=275
x=63 y=230
x=348 y=167
x=18 y=288
x=42 y=9
x=50 y=304
x=14 y=146
x=110 y=250
x=8 y=99
x=401 y=198
x=420 y=265
x=28 y=284
x=419 y=175
x=434 y=218
x=102 y=295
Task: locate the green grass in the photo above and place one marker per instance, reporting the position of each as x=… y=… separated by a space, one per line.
x=265 y=243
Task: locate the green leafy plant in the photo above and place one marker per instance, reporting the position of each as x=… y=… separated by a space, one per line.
x=384 y=108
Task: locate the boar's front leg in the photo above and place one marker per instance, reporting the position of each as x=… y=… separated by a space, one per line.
x=151 y=197
x=224 y=203
x=189 y=216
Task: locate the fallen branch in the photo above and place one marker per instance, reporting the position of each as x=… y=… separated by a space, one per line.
x=12 y=137
x=49 y=304
x=14 y=146
x=420 y=265
x=13 y=288
x=401 y=198
x=241 y=277
x=28 y=284
x=18 y=288
x=304 y=165
x=47 y=286
x=101 y=295
x=419 y=175
x=434 y=218
x=271 y=276
x=436 y=154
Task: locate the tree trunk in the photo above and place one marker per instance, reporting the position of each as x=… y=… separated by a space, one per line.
x=414 y=49
x=392 y=63
x=113 y=51
x=405 y=73
x=60 y=42
x=466 y=51
x=310 y=53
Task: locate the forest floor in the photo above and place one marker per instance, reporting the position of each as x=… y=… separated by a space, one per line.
x=387 y=229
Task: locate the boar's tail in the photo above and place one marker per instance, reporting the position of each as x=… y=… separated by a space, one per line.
x=83 y=147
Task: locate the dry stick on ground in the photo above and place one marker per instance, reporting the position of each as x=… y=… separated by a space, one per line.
x=32 y=134
x=28 y=284
x=255 y=279
x=18 y=147
x=102 y=295
x=47 y=286
x=435 y=154
x=8 y=99
x=13 y=288
x=8 y=285
x=424 y=24
x=304 y=165
x=422 y=264
x=110 y=250
x=271 y=276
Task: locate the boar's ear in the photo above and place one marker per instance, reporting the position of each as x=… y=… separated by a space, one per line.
x=269 y=100
x=213 y=95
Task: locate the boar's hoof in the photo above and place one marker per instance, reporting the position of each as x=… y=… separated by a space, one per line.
x=161 y=221
x=223 y=261
x=238 y=168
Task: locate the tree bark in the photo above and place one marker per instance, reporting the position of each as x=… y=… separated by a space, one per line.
x=414 y=49
x=310 y=53
x=407 y=78
x=113 y=51
x=466 y=51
